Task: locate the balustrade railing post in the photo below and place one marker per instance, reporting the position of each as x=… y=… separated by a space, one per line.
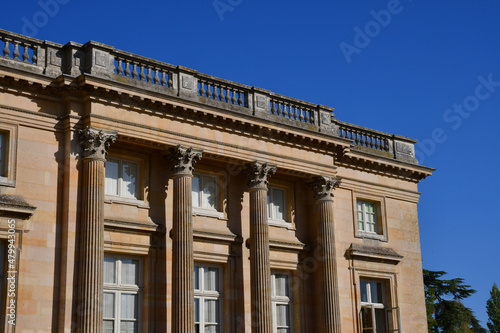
x=74 y=59
x=260 y=103
x=324 y=120
x=187 y=82
x=99 y=59
x=403 y=148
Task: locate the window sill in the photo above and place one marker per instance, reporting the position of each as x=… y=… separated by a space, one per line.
x=126 y=201
x=280 y=224
x=369 y=235
x=4 y=181
x=208 y=212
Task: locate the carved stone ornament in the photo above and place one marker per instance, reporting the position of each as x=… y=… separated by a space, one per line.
x=258 y=174
x=323 y=187
x=183 y=159
x=96 y=142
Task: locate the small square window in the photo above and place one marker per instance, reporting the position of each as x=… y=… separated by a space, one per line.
x=369 y=217
x=122 y=178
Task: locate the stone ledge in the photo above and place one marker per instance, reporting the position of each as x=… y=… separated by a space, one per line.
x=373 y=253
x=15 y=206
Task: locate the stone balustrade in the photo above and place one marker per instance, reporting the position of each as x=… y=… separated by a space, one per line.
x=100 y=60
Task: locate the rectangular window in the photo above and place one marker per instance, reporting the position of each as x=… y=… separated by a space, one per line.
x=121 y=178
x=122 y=291
x=207 y=298
x=376 y=314
x=204 y=191
x=281 y=301
x=276 y=203
x=3 y=149
x=367 y=217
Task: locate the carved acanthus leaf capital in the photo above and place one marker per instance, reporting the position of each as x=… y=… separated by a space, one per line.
x=323 y=187
x=258 y=174
x=183 y=159
x=95 y=142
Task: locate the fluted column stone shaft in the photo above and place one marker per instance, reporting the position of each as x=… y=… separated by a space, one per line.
x=323 y=187
x=183 y=160
x=90 y=293
x=260 y=271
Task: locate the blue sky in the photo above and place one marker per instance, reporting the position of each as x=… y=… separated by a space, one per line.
x=425 y=69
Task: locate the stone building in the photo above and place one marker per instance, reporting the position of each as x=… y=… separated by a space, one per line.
x=137 y=196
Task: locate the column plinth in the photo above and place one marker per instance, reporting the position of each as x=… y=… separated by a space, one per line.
x=182 y=160
x=323 y=193
x=260 y=271
x=89 y=307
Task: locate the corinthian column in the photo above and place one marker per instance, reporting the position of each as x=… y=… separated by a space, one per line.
x=323 y=193
x=183 y=160
x=260 y=272
x=94 y=143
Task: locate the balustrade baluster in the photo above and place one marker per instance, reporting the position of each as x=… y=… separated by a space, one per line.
x=386 y=145
x=240 y=98
x=202 y=88
x=301 y=114
x=26 y=55
x=170 y=80
x=216 y=95
x=134 y=71
x=157 y=76
x=362 y=139
x=142 y=75
x=163 y=78
x=119 y=69
x=233 y=98
x=211 y=90
x=149 y=77
x=127 y=68
x=376 y=142
x=16 y=53
x=6 y=50
x=273 y=107
x=35 y=57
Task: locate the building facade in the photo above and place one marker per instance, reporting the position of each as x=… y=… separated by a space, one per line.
x=137 y=196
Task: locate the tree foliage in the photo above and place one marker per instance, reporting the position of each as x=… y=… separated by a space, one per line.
x=493 y=310
x=445 y=311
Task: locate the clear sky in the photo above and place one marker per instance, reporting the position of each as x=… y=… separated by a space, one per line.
x=425 y=69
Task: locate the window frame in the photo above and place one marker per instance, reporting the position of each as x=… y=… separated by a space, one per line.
x=282 y=300
x=118 y=289
x=381 y=232
x=8 y=159
x=221 y=194
x=288 y=204
x=201 y=294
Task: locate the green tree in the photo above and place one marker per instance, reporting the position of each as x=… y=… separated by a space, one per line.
x=445 y=315
x=493 y=310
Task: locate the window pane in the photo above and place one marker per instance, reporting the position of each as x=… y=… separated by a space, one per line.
x=109 y=270
x=195 y=190
x=211 y=279
x=109 y=305
x=366 y=319
x=2 y=154
x=196 y=277
x=283 y=330
x=197 y=310
x=211 y=328
x=129 y=306
x=374 y=292
x=278 y=204
x=364 y=293
x=282 y=315
x=128 y=326
x=130 y=271
x=129 y=174
x=209 y=192
x=111 y=185
x=108 y=326
x=380 y=320
x=211 y=311
x=281 y=285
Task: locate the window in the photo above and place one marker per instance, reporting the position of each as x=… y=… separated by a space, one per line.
x=3 y=149
x=367 y=217
x=122 y=178
x=376 y=315
x=122 y=290
x=276 y=205
x=280 y=289
x=205 y=192
x=207 y=299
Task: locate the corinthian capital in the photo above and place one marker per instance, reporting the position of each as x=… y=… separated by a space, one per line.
x=183 y=159
x=258 y=174
x=95 y=142
x=323 y=187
